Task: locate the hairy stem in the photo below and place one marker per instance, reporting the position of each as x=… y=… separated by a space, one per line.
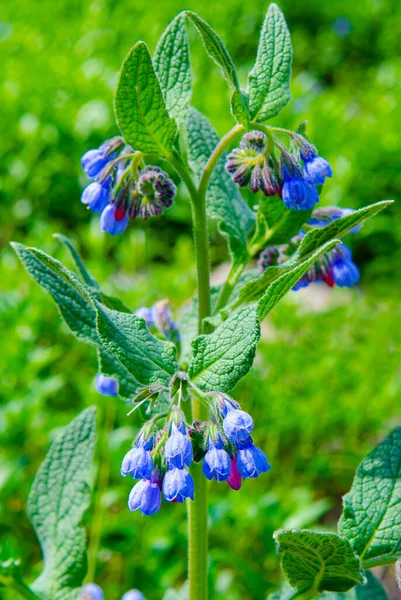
x=107 y=418
x=233 y=276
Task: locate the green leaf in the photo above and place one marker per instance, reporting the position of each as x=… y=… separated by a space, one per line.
x=269 y=79
x=339 y=227
x=139 y=106
x=371 y=590
x=75 y=302
x=218 y=52
x=371 y=518
x=127 y=338
x=173 y=69
x=318 y=561
x=222 y=358
x=224 y=202
x=59 y=497
x=85 y=275
x=281 y=224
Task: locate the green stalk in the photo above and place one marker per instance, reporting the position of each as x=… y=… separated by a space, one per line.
x=23 y=590
x=107 y=418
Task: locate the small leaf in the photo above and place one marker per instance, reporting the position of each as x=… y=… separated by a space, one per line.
x=339 y=227
x=75 y=302
x=269 y=80
x=371 y=590
x=218 y=52
x=318 y=561
x=371 y=518
x=172 y=66
x=127 y=338
x=222 y=358
x=139 y=106
x=59 y=496
x=224 y=202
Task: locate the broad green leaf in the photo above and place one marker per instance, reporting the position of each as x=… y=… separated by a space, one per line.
x=281 y=224
x=318 y=561
x=218 y=52
x=139 y=106
x=222 y=358
x=371 y=590
x=75 y=302
x=172 y=66
x=371 y=518
x=269 y=79
x=339 y=227
x=127 y=338
x=224 y=202
x=59 y=497
x=279 y=287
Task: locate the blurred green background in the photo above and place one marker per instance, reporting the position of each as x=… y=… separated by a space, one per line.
x=327 y=378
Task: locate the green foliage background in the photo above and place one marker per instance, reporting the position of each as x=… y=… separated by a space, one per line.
x=326 y=383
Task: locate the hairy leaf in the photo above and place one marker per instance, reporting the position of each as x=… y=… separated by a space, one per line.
x=139 y=106
x=218 y=52
x=172 y=66
x=281 y=224
x=371 y=590
x=371 y=518
x=339 y=227
x=318 y=561
x=85 y=275
x=222 y=358
x=59 y=496
x=224 y=202
x=127 y=338
x=75 y=302
x=269 y=79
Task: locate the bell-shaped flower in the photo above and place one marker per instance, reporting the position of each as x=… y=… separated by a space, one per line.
x=251 y=460
x=216 y=463
x=178 y=485
x=238 y=425
x=178 y=448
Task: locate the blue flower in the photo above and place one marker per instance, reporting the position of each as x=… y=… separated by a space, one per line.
x=96 y=195
x=216 y=463
x=106 y=385
x=93 y=162
x=251 y=461
x=298 y=192
x=138 y=462
x=344 y=270
x=178 y=449
x=316 y=168
x=145 y=496
x=145 y=313
x=91 y=591
x=113 y=220
x=237 y=425
x=325 y=215
x=133 y=595
x=178 y=485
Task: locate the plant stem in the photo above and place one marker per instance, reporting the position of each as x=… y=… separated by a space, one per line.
x=107 y=418
x=233 y=276
x=23 y=590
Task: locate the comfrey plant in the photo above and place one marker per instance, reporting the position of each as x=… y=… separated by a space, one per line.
x=180 y=374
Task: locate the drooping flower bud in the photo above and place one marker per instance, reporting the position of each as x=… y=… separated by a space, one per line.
x=216 y=463
x=273 y=255
x=145 y=496
x=113 y=221
x=133 y=595
x=178 y=449
x=251 y=460
x=106 y=385
x=316 y=168
x=91 y=591
x=298 y=192
x=96 y=195
x=238 y=425
x=138 y=463
x=93 y=162
x=178 y=485
x=235 y=479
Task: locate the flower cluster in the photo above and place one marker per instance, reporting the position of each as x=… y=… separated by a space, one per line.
x=123 y=187
x=91 y=591
x=335 y=267
x=160 y=458
x=293 y=177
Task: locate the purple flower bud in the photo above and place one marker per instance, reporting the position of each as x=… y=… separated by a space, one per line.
x=251 y=461
x=145 y=496
x=106 y=385
x=216 y=463
x=156 y=192
x=133 y=595
x=254 y=140
x=178 y=449
x=96 y=195
x=113 y=221
x=316 y=168
x=273 y=255
x=268 y=182
x=178 y=485
x=91 y=591
x=138 y=462
x=93 y=163
x=235 y=479
x=237 y=425
x=298 y=192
